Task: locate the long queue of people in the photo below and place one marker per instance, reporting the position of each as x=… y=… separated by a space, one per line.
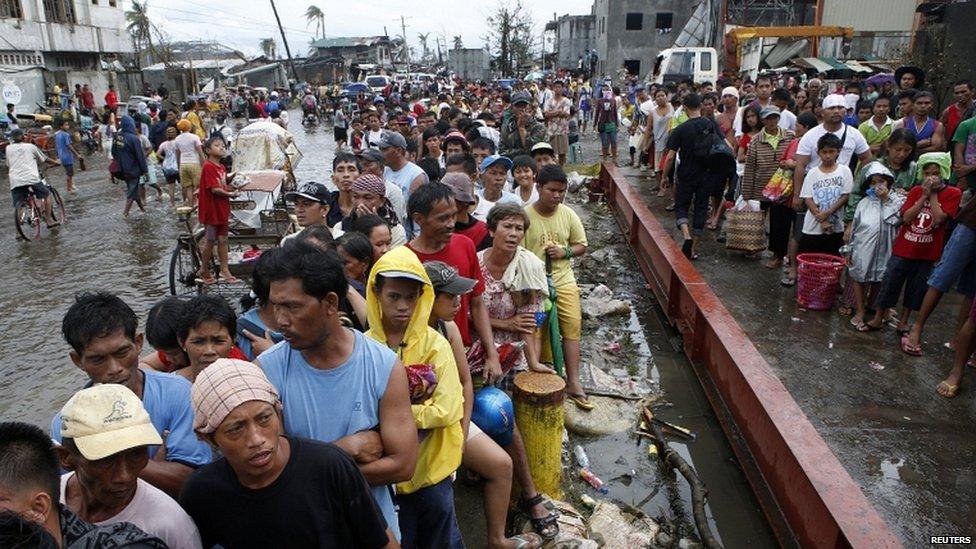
x=375 y=357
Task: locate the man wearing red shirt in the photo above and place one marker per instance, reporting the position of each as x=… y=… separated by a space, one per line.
x=954 y=113
x=87 y=97
x=432 y=208
x=925 y=215
x=214 y=210
x=111 y=98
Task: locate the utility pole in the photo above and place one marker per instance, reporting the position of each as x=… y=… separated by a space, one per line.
x=291 y=64
x=406 y=48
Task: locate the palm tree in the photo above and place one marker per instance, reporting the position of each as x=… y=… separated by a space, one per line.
x=314 y=14
x=269 y=48
x=457 y=43
x=139 y=26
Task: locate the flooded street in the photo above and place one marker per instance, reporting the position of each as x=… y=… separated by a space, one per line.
x=95 y=250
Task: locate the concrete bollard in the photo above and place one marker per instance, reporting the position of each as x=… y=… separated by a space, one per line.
x=538 y=400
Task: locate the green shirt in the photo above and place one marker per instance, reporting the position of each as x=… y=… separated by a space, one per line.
x=873 y=135
x=966 y=134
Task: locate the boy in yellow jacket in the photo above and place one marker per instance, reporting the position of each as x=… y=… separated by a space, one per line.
x=399 y=298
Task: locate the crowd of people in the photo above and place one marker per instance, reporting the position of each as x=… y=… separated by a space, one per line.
x=378 y=348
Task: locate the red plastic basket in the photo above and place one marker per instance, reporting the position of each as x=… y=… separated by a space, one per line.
x=818 y=279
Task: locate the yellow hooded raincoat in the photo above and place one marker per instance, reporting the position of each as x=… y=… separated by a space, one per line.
x=440 y=451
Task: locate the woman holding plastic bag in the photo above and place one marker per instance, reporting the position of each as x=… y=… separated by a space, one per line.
x=761 y=173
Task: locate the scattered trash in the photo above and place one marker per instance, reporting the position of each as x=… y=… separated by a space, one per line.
x=599 y=302
x=581 y=458
x=573 y=532
x=593 y=480
x=612 y=347
x=876 y=366
x=795 y=319
x=615 y=528
x=587 y=501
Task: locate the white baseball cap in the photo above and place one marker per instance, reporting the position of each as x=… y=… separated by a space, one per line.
x=104 y=420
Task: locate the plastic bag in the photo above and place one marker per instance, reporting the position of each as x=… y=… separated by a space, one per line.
x=743 y=205
x=780 y=186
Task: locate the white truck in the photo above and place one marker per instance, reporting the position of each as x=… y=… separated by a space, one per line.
x=681 y=63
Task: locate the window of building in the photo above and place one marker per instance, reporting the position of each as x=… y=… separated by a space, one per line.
x=635 y=21
x=59 y=11
x=94 y=2
x=664 y=21
x=10 y=9
x=632 y=66
x=111 y=3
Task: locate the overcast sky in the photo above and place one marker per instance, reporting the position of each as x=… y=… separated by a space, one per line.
x=241 y=24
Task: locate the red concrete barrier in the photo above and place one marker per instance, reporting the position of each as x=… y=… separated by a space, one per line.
x=807 y=495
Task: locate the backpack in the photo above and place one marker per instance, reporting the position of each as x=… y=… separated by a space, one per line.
x=711 y=150
x=115 y=167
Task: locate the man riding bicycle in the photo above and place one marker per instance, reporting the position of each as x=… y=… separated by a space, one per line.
x=310 y=105
x=24 y=176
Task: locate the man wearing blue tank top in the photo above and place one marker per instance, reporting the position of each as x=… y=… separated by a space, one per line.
x=336 y=384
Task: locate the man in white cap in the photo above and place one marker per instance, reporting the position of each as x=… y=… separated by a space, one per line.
x=30 y=486
x=299 y=492
x=105 y=439
x=852 y=141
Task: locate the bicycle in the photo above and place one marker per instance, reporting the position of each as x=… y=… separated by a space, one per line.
x=29 y=212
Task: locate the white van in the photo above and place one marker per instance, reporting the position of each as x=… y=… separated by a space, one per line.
x=377 y=82
x=677 y=64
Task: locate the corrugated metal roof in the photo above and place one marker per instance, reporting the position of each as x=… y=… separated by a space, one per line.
x=348 y=41
x=253 y=70
x=814 y=63
x=870 y=15
x=221 y=64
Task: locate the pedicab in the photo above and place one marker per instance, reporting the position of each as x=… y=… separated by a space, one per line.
x=264 y=155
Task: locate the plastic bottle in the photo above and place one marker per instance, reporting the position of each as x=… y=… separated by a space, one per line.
x=593 y=480
x=581 y=458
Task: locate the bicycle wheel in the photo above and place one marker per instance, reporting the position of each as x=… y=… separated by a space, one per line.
x=57 y=207
x=27 y=218
x=183 y=268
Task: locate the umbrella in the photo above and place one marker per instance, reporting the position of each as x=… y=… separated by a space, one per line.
x=880 y=79
x=555 y=337
x=357 y=87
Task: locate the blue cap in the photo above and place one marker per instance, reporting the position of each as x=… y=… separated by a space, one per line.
x=493 y=159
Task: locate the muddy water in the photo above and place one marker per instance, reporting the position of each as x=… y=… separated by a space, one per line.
x=649 y=349
x=95 y=250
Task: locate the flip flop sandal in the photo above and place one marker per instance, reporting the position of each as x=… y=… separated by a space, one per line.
x=951 y=390
x=231 y=280
x=865 y=327
x=788 y=281
x=908 y=348
x=686 y=247
x=206 y=281
x=547 y=527
x=581 y=402
x=669 y=207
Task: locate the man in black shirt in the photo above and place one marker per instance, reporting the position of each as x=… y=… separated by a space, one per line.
x=694 y=182
x=271 y=490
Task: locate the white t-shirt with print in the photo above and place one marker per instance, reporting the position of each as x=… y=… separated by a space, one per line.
x=187 y=143
x=825 y=189
x=156 y=514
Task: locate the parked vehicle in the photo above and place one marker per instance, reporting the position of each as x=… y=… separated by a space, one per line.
x=677 y=64
x=377 y=82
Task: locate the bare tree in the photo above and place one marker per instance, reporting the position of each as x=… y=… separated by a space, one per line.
x=269 y=48
x=423 y=36
x=510 y=32
x=458 y=44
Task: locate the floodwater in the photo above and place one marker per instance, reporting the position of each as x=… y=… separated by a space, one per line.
x=95 y=250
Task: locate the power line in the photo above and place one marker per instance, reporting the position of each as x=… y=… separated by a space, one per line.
x=254 y=23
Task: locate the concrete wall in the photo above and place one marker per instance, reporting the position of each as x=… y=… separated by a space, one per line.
x=615 y=44
x=574 y=34
x=469 y=63
x=99 y=29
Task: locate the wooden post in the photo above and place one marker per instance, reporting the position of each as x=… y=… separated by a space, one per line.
x=538 y=400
